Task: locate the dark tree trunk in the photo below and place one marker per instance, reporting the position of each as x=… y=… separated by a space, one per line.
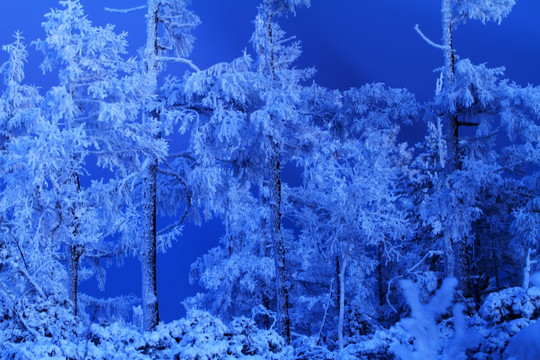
x=75 y=253
x=282 y=283
x=148 y=250
x=148 y=246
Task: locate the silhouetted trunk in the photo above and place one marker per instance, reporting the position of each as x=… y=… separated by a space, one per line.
x=380 y=279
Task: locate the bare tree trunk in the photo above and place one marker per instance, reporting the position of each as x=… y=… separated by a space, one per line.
x=148 y=251
x=75 y=253
x=282 y=283
x=341 y=306
x=380 y=279
x=527 y=269
x=448 y=79
x=148 y=248
x=458 y=254
x=341 y=320
x=274 y=201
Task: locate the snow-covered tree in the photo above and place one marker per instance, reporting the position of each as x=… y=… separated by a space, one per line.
x=253 y=127
x=177 y=22
x=473 y=99
x=96 y=105
x=350 y=208
x=32 y=278
x=168 y=39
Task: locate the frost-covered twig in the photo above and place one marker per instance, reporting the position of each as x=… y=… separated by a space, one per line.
x=126 y=11
x=178 y=60
x=429 y=254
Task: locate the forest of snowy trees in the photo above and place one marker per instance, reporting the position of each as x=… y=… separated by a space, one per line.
x=382 y=250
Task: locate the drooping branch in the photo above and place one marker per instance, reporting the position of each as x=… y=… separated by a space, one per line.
x=188 y=200
x=126 y=11
x=428 y=40
x=178 y=60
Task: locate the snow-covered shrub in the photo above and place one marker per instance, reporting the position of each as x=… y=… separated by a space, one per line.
x=511 y=303
x=506 y=320
x=428 y=337
x=207 y=337
x=198 y=336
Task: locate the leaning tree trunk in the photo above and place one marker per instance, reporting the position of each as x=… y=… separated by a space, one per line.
x=148 y=248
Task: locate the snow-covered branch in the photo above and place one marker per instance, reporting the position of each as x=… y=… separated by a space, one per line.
x=126 y=11
x=188 y=200
x=178 y=60
x=426 y=39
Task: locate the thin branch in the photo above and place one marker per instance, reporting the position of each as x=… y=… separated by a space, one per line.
x=188 y=199
x=126 y=11
x=19 y=247
x=426 y=39
x=113 y=231
x=481 y=138
x=178 y=60
x=30 y=280
x=429 y=254
x=467 y=123
x=326 y=307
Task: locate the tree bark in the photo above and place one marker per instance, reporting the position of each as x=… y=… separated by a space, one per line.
x=148 y=251
x=341 y=319
x=75 y=253
x=148 y=246
x=75 y=250
x=448 y=79
x=282 y=283
x=458 y=253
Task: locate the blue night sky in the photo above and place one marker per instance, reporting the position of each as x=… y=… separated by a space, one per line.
x=349 y=42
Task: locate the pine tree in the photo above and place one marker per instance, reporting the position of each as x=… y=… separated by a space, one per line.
x=176 y=40
x=450 y=110
x=253 y=122
x=96 y=104
x=350 y=207
x=31 y=154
